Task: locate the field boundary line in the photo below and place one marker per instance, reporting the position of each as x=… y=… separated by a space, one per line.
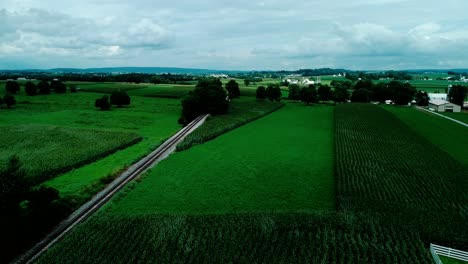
x=447 y=252
x=102 y=197
x=446 y=117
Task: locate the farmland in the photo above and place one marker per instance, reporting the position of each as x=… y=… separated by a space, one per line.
x=384 y=167
x=451 y=139
x=241 y=111
x=50 y=150
x=152 y=119
x=247 y=238
x=232 y=174
x=463 y=116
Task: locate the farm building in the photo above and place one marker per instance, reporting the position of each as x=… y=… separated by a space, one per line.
x=437 y=96
x=444 y=106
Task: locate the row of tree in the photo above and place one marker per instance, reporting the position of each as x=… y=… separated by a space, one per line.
x=272 y=93
x=42 y=87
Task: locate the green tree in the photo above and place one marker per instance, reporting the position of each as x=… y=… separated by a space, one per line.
x=422 y=98
x=261 y=92
x=103 y=103
x=30 y=88
x=246 y=82
x=324 y=93
x=294 y=92
x=43 y=87
x=119 y=98
x=360 y=96
x=208 y=97
x=340 y=94
x=9 y=100
x=457 y=94
x=12 y=87
x=72 y=88
x=233 y=89
x=309 y=94
x=58 y=87
x=273 y=93
x=402 y=92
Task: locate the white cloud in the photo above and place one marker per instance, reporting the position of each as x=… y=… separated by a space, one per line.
x=269 y=34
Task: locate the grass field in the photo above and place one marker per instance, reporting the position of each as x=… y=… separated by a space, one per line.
x=163 y=90
x=447 y=260
x=462 y=116
x=46 y=151
x=275 y=164
x=241 y=111
x=452 y=138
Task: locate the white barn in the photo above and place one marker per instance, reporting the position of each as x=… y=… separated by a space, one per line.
x=444 y=106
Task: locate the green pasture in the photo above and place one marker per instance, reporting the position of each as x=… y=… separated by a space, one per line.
x=445 y=134
x=275 y=164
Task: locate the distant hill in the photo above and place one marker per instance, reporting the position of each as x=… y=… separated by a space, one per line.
x=150 y=70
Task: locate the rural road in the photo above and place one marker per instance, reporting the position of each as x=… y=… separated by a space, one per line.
x=109 y=191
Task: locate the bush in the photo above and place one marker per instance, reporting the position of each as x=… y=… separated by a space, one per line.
x=119 y=98
x=30 y=88
x=103 y=103
x=12 y=87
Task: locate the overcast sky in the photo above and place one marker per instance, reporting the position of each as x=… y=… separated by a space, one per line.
x=240 y=35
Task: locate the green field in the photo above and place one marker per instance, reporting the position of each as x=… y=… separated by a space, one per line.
x=447 y=260
x=385 y=167
x=462 y=116
x=250 y=238
x=241 y=111
x=276 y=164
x=46 y=151
x=163 y=90
x=105 y=87
x=452 y=138
x=153 y=119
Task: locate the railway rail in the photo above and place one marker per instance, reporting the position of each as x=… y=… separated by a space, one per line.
x=105 y=195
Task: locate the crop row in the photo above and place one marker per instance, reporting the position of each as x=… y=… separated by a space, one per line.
x=255 y=238
x=46 y=151
x=384 y=166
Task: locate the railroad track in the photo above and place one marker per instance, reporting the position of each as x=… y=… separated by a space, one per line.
x=105 y=195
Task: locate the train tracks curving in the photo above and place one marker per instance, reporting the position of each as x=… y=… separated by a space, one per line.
x=105 y=195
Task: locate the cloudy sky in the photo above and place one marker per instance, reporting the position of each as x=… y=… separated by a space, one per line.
x=241 y=35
